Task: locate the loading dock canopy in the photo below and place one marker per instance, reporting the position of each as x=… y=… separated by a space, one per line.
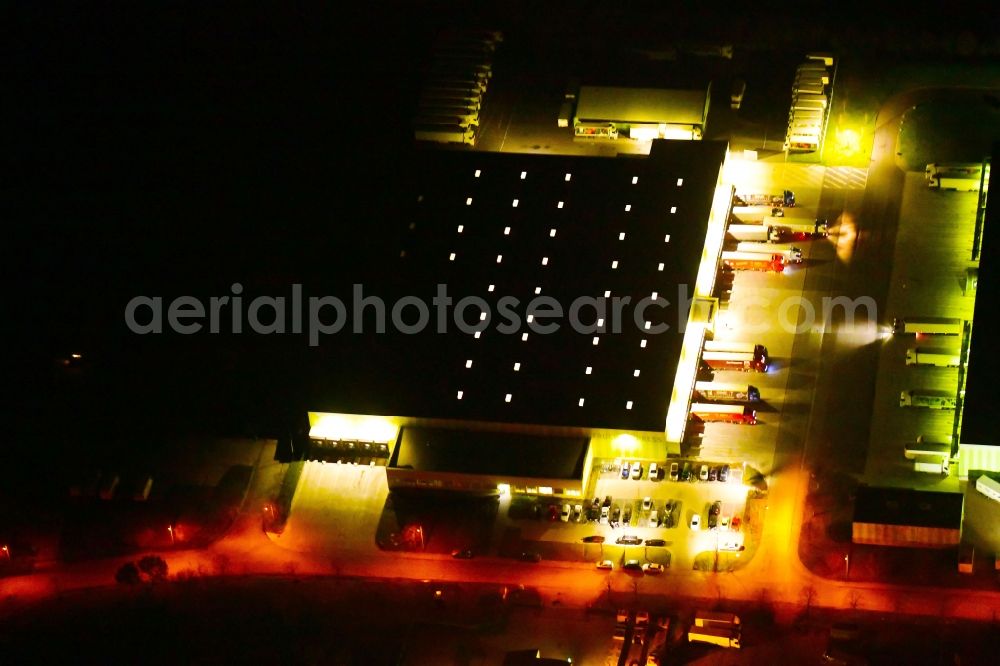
x=642 y=105
x=491 y=453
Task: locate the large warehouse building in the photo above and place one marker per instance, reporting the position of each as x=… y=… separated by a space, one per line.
x=641 y=113
x=583 y=285
x=907 y=518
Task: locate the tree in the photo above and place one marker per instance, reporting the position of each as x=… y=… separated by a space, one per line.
x=128 y=574
x=154 y=567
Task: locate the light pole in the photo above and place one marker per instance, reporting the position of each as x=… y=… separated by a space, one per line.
x=170 y=528
x=6 y=551
x=847 y=565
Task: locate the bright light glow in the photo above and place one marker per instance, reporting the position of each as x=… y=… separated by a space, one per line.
x=357 y=427
x=552 y=233
x=506 y=231
x=580 y=404
x=477 y=334
x=517 y=367
x=524 y=174
x=635 y=179
x=654 y=295
x=607 y=293
x=499 y=258
x=660 y=267
x=489 y=288
x=600 y=322
x=628 y=207
x=635 y=373
x=73 y=356
x=673 y=209
x=614 y=264
x=625 y=443
x=468 y=202
x=460 y=394
x=451 y=257
x=647 y=325
x=461 y=228
x=468 y=363
x=544 y=490
x=559 y=205
x=666 y=239
x=596 y=340
x=628 y=405
x=621 y=236
x=538 y=290
x=478 y=172
x=514 y=203
x=503 y=488
x=589 y=370
x=531 y=318
x=482 y=316
x=569 y=177
x=642 y=344
x=524 y=337
x=848 y=141
x=507 y=398
x=680 y=181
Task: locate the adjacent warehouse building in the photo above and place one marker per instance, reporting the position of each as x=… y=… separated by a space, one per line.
x=641 y=113
x=907 y=518
x=578 y=285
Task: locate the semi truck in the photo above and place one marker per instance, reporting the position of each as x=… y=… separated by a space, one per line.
x=750 y=261
x=921 y=326
x=785 y=199
x=989 y=487
x=758 y=233
x=470 y=99
x=711 y=412
x=456 y=82
x=445 y=134
x=732 y=392
x=957 y=184
x=758 y=350
x=968 y=170
x=730 y=360
x=790 y=255
x=439 y=108
x=931 y=464
x=788 y=228
x=714 y=619
x=726 y=637
x=940 y=358
x=927 y=399
x=466 y=120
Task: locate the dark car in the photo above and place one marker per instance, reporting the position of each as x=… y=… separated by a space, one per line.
x=628 y=514
x=528 y=556
x=656 y=542
x=716 y=508
x=629 y=540
x=616 y=513
x=713 y=474
x=632 y=565
x=724 y=473
x=465 y=554
x=593 y=539
x=607 y=501
x=686 y=472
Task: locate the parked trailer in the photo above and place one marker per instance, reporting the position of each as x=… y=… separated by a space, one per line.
x=791 y=255
x=807 y=114
x=750 y=261
x=450 y=98
x=989 y=487
x=927 y=326
x=921 y=447
x=957 y=184
x=926 y=399
x=445 y=134
x=713 y=619
x=724 y=637
x=720 y=413
x=439 y=109
x=733 y=392
x=786 y=227
x=807 y=105
x=952 y=169
x=808 y=88
x=456 y=83
x=753 y=232
x=735 y=346
x=940 y=358
x=741 y=361
x=468 y=120
x=931 y=464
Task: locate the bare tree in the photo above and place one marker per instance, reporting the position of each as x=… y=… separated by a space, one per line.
x=854 y=599
x=808 y=596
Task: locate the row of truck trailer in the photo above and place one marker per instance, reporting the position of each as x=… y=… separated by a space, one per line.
x=807 y=116
x=454 y=85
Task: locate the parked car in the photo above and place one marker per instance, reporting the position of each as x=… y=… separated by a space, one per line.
x=734 y=524
x=653 y=568
x=629 y=540
x=674 y=471
x=577 y=512
x=607 y=565
x=724 y=473
x=686 y=472
x=607 y=500
x=605 y=515
x=696 y=521
x=636 y=470
x=654 y=518
x=529 y=556
x=593 y=539
x=713 y=473
x=622 y=616
x=564 y=515
x=716 y=508
x=724 y=522
x=616 y=513
x=656 y=542
x=647 y=503
x=663 y=622
x=465 y=554
x=626 y=470
x=703 y=474
x=619 y=634
x=653 y=470
x=627 y=516
x=632 y=565
x=641 y=618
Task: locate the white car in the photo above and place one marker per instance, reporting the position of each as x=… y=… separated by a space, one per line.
x=564 y=516
x=653 y=515
x=605 y=510
x=703 y=474
x=652 y=471
x=647 y=503
x=636 y=470
x=696 y=521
